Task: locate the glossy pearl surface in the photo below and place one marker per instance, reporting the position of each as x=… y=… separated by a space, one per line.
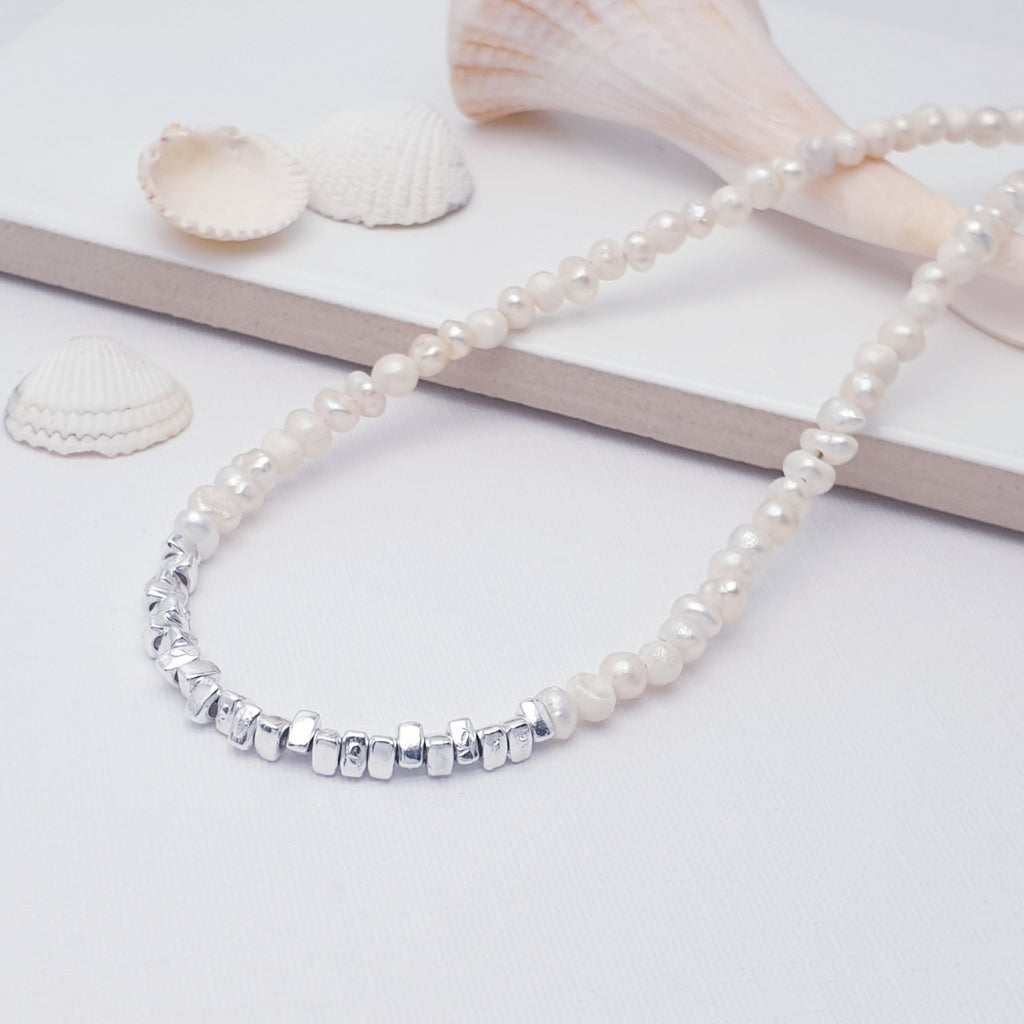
x=562 y=710
x=395 y=375
x=593 y=695
x=489 y=328
x=579 y=279
x=627 y=674
x=310 y=429
x=663 y=662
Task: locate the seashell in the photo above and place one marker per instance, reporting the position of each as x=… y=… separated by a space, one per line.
x=705 y=76
x=222 y=183
x=392 y=162
x=96 y=395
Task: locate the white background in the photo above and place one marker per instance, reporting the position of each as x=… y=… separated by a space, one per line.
x=821 y=823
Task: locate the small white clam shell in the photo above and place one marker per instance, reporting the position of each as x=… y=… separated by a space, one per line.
x=392 y=162
x=222 y=183
x=96 y=395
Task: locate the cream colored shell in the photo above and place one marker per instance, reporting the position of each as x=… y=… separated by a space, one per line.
x=222 y=183
x=392 y=162
x=96 y=395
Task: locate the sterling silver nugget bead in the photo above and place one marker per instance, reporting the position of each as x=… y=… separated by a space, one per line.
x=243 y=724
x=464 y=738
x=271 y=736
x=182 y=649
x=519 y=738
x=410 y=745
x=380 y=758
x=227 y=705
x=302 y=730
x=195 y=672
x=493 y=747
x=201 y=704
x=326 y=751
x=353 y=754
x=537 y=715
x=439 y=752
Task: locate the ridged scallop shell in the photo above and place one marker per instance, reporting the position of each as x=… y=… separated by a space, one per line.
x=96 y=395
x=392 y=162
x=222 y=183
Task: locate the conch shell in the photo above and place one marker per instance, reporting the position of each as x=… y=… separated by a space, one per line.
x=703 y=74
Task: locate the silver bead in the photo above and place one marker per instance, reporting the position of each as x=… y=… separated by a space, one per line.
x=464 y=737
x=201 y=705
x=179 y=543
x=183 y=567
x=519 y=735
x=440 y=754
x=182 y=648
x=410 y=745
x=353 y=754
x=243 y=725
x=164 y=585
x=326 y=751
x=195 y=672
x=228 y=704
x=271 y=736
x=168 y=615
x=493 y=746
x=380 y=758
x=302 y=730
x=540 y=721
x=171 y=612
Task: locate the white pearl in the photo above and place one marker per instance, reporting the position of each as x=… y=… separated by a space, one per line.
x=547 y=291
x=813 y=474
x=626 y=672
x=959 y=260
x=395 y=375
x=246 y=494
x=700 y=218
x=1009 y=199
x=879 y=359
x=988 y=127
x=285 y=450
x=219 y=504
x=878 y=137
x=200 y=528
x=489 y=328
x=732 y=562
x=516 y=305
x=579 y=280
x=370 y=401
x=430 y=353
x=979 y=235
x=998 y=221
x=835 y=449
x=607 y=256
x=639 y=252
x=780 y=518
x=259 y=467
x=838 y=416
x=310 y=429
x=930 y=124
x=731 y=205
x=684 y=636
x=1015 y=125
x=729 y=598
x=864 y=390
x=458 y=337
x=958 y=124
x=904 y=336
x=925 y=303
x=763 y=185
x=756 y=543
x=792 y=492
x=593 y=696
x=819 y=153
x=562 y=710
x=663 y=662
x=666 y=230
x=341 y=411
x=851 y=147
x=792 y=172
x=699 y=613
x=904 y=137
x=936 y=274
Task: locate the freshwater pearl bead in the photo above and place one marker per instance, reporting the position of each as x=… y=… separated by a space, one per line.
x=547 y=291
x=627 y=674
x=731 y=205
x=516 y=305
x=930 y=124
x=839 y=416
x=958 y=124
x=998 y=221
x=1015 y=125
x=925 y=303
x=259 y=467
x=763 y=185
x=684 y=636
x=489 y=328
x=430 y=354
x=934 y=273
x=878 y=359
x=458 y=337
x=310 y=429
x=340 y=411
x=562 y=709
x=988 y=127
x=243 y=490
x=819 y=153
x=729 y=598
x=594 y=697
x=200 y=528
x=813 y=474
x=904 y=336
x=959 y=260
x=284 y=449
x=607 y=257
x=864 y=390
x=639 y=252
x=878 y=137
x=778 y=517
x=700 y=218
x=699 y=613
x=756 y=543
x=978 y=235
x=792 y=492
x=835 y=449
x=904 y=135
x=1008 y=198
x=395 y=375
x=579 y=280
x=663 y=662
x=851 y=147
x=792 y=172
x=731 y=562
x=666 y=230
x=370 y=400
x=218 y=504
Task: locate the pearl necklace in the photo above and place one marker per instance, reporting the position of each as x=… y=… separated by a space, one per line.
x=695 y=619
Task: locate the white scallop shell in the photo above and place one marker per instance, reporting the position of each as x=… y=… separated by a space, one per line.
x=222 y=183
x=392 y=162
x=95 y=395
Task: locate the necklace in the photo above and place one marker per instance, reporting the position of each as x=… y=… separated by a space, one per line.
x=695 y=619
